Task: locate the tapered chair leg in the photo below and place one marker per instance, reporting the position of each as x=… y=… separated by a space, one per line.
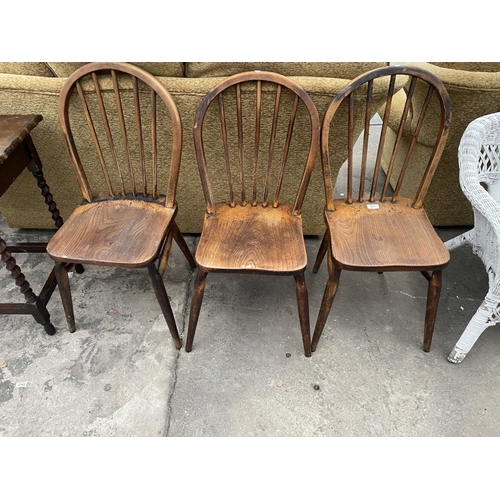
x=196 y=300
x=432 y=305
x=326 y=304
x=322 y=251
x=303 y=307
x=165 y=254
x=162 y=297
x=62 y=279
x=182 y=244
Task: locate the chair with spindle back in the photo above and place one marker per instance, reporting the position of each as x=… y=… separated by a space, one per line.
x=122 y=221
x=375 y=230
x=254 y=231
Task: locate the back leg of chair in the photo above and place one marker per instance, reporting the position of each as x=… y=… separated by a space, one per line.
x=434 y=291
x=183 y=245
x=196 y=300
x=322 y=251
x=482 y=319
x=162 y=297
x=326 y=304
x=181 y=242
x=62 y=278
x=303 y=307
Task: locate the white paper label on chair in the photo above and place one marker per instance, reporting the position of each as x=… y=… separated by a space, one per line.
x=372 y=206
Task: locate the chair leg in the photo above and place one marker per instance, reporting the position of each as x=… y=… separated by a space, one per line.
x=196 y=300
x=162 y=298
x=434 y=290
x=322 y=251
x=62 y=279
x=326 y=304
x=183 y=245
x=303 y=307
x=482 y=319
x=165 y=254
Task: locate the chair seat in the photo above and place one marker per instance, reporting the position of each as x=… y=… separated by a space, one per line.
x=253 y=239
x=122 y=233
x=392 y=237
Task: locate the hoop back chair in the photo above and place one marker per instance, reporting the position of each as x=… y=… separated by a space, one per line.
x=123 y=220
x=252 y=230
x=479 y=168
x=373 y=228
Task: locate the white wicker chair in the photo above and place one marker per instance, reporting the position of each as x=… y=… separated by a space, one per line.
x=479 y=162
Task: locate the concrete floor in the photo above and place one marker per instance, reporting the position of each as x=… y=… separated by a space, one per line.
x=120 y=375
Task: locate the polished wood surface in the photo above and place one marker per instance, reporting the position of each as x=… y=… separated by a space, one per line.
x=253 y=239
x=132 y=224
x=252 y=230
x=124 y=233
x=374 y=228
x=387 y=238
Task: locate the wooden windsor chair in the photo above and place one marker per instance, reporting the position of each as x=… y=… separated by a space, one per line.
x=120 y=164
x=257 y=233
x=377 y=229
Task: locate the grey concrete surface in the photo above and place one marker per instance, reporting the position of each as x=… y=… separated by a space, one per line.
x=120 y=375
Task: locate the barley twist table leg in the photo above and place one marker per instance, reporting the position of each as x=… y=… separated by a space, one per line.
x=15 y=273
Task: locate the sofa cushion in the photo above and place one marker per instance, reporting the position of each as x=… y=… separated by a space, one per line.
x=26 y=68
x=488 y=67
x=173 y=69
x=344 y=70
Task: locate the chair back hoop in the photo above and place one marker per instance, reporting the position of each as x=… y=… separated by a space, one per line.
x=235 y=81
x=138 y=77
x=414 y=74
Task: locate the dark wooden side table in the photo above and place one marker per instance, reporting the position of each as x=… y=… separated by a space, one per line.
x=18 y=152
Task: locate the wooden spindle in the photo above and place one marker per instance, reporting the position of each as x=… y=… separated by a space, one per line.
x=154 y=141
x=395 y=149
x=139 y=135
x=366 y=138
x=258 y=115
x=240 y=143
x=107 y=129
x=271 y=143
x=222 y=115
x=97 y=145
x=350 y=147
x=383 y=133
x=123 y=129
x=293 y=114
x=426 y=180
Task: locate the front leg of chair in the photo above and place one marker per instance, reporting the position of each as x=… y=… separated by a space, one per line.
x=322 y=251
x=196 y=300
x=62 y=279
x=330 y=290
x=434 y=291
x=485 y=316
x=162 y=298
x=183 y=245
x=303 y=306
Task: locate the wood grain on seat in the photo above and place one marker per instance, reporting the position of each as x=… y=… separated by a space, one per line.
x=388 y=238
x=254 y=239
x=124 y=233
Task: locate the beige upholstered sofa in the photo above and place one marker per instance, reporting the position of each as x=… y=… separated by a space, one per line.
x=27 y=88
x=474 y=90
